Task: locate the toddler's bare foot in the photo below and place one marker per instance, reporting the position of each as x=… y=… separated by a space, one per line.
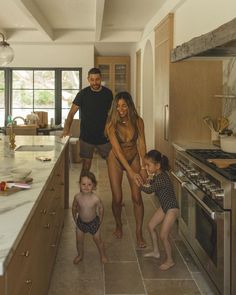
x=166 y=265
x=118 y=233
x=152 y=254
x=104 y=259
x=77 y=259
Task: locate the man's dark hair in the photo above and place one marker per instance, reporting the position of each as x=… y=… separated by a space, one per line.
x=94 y=71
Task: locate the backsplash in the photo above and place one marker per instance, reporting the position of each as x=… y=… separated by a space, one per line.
x=229 y=92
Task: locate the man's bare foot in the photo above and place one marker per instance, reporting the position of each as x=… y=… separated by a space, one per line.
x=152 y=254
x=77 y=259
x=104 y=259
x=118 y=233
x=166 y=265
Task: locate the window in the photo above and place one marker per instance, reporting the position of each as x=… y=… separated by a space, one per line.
x=35 y=90
x=2 y=98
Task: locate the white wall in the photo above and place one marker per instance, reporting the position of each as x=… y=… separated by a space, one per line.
x=55 y=56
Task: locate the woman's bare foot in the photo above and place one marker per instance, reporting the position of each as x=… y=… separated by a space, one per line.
x=152 y=254
x=118 y=233
x=166 y=265
x=77 y=259
x=141 y=243
x=104 y=259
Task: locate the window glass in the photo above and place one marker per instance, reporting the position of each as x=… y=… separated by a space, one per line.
x=2 y=99
x=70 y=87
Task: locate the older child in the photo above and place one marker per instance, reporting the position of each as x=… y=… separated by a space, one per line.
x=87 y=211
x=157 y=166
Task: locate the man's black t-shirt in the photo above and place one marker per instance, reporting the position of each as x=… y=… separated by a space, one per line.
x=93 y=108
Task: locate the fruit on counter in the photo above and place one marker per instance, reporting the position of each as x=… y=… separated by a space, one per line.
x=3 y=185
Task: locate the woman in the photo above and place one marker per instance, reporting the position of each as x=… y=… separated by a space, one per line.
x=125 y=130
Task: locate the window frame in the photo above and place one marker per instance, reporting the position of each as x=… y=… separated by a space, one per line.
x=58 y=87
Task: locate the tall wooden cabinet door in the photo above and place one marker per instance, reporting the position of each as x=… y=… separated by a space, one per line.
x=106 y=69
x=163 y=46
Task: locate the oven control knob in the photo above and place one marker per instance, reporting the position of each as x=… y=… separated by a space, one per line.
x=219 y=194
x=194 y=173
x=203 y=181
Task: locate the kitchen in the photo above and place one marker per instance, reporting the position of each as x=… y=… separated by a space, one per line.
x=189 y=89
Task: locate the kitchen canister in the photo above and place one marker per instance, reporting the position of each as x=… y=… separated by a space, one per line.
x=228 y=144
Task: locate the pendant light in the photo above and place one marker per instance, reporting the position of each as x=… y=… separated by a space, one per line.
x=6 y=52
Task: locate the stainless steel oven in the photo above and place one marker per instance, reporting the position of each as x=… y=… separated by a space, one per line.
x=205 y=218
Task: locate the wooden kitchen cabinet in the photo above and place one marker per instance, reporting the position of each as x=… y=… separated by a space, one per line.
x=184 y=94
x=30 y=268
x=115 y=72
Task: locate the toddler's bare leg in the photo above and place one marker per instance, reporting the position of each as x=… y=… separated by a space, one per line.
x=155 y=220
x=167 y=225
x=79 y=246
x=100 y=245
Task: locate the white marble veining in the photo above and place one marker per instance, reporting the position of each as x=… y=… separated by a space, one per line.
x=16 y=209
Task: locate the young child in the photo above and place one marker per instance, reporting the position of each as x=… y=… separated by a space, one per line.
x=157 y=166
x=87 y=211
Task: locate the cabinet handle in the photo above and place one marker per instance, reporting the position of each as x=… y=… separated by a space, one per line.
x=53 y=245
x=47 y=226
x=43 y=211
x=25 y=253
x=53 y=213
x=166 y=122
x=28 y=282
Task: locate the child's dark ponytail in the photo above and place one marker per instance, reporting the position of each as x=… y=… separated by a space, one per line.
x=157 y=157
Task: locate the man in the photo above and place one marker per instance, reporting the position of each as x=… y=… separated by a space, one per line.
x=94 y=103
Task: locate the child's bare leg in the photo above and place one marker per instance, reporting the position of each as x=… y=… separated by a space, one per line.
x=155 y=220
x=167 y=225
x=100 y=245
x=79 y=246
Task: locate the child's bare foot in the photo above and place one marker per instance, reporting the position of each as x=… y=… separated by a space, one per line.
x=104 y=259
x=77 y=259
x=118 y=233
x=152 y=254
x=166 y=265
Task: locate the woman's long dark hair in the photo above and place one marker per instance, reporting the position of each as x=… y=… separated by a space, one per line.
x=113 y=116
x=156 y=157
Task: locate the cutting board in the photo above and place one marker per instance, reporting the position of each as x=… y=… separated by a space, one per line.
x=222 y=163
x=12 y=190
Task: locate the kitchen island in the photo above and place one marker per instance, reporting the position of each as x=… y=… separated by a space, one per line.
x=31 y=220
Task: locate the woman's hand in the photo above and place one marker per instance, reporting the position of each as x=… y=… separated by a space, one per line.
x=138 y=179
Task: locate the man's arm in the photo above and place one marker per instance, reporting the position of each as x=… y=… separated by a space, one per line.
x=66 y=131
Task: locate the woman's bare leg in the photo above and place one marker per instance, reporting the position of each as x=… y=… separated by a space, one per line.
x=156 y=219
x=100 y=245
x=115 y=176
x=79 y=246
x=138 y=205
x=166 y=227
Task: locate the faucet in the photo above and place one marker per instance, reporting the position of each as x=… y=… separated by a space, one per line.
x=18 y=117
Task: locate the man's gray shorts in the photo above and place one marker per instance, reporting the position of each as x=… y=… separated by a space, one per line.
x=87 y=149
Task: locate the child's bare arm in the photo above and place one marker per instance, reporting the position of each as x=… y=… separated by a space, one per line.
x=100 y=209
x=75 y=209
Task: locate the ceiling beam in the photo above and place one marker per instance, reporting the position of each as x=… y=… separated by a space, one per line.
x=31 y=10
x=100 y=5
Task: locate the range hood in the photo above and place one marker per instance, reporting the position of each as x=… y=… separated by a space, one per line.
x=220 y=43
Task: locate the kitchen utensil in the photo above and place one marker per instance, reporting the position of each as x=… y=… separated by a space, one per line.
x=228 y=144
x=208 y=121
x=222 y=163
x=222 y=124
x=18 y=184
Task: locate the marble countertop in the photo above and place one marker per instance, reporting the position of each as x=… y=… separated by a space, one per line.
x=15 y=209
x=183 y=145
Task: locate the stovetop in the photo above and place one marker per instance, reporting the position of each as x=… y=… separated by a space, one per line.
x=204 y=154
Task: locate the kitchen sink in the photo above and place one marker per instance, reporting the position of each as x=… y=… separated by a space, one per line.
x=34 y=148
